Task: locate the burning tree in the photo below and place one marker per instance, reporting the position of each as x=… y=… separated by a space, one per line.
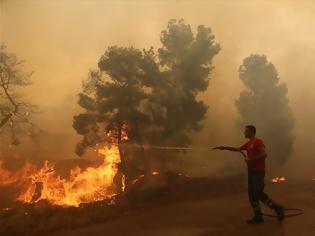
x=149 y=96
x=264 y=103
x=114 y=98
x=114 y=95
x=14 y=110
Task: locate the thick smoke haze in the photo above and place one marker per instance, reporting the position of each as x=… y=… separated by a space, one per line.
x=62 y=40
x=264 y=103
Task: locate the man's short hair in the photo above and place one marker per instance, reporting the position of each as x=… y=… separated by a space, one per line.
x=251 y=128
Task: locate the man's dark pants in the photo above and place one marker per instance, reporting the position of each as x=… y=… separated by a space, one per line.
x=256 y=191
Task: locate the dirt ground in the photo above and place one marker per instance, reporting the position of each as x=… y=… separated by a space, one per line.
x=218 y=215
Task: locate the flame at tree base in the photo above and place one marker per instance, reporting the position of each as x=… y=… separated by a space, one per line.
x=83 y=186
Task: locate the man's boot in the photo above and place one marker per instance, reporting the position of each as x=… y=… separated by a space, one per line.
x=276 y=207
x=257 y=218
x=279 y=211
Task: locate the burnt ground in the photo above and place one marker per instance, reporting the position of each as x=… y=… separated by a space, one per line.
x=180 y=206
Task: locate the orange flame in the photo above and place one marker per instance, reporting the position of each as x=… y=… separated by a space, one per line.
x=7 y=177
x=92 y=184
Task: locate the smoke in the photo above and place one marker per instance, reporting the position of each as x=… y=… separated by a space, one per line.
x=61 y=41
x=264 y=103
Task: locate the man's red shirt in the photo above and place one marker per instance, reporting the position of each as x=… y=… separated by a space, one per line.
x=254 y=147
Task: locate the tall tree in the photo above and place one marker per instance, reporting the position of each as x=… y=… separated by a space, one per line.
x=15 y=111
x=114 y=96
x=186 y=60
x=152 y=96
x=264 y=103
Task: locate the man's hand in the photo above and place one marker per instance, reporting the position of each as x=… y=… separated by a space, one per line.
x=219 y=148
x=246 y=158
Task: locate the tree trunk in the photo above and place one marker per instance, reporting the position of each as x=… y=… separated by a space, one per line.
x=123 y=165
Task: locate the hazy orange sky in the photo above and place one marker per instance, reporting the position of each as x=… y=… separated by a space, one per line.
x=62 y=40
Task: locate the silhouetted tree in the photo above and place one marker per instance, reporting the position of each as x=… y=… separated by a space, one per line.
x=264 y=103
x=152 y=95
x=114 y=96
x=186 y=60
x=15 y=111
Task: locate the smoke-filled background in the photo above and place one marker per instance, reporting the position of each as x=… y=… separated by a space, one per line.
x=62 y=40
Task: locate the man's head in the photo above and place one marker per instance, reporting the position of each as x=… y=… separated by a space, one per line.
x=250 y=131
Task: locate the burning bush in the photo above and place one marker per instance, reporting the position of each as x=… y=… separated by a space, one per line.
x=44 y=183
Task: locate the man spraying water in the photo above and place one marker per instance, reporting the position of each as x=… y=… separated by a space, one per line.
x=255 y=160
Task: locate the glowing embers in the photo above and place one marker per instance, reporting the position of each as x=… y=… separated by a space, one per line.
x=140 y=177
x=278 y=180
